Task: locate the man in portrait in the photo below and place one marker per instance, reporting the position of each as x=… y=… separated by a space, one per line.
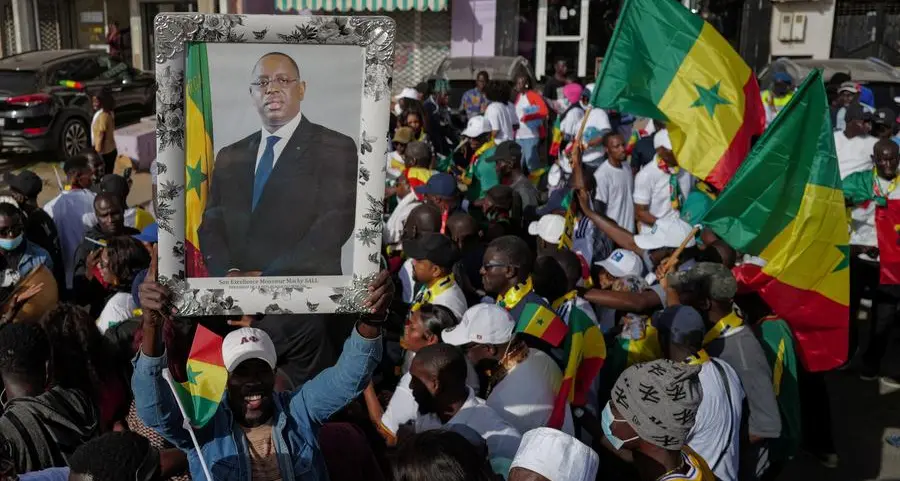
x=282 y=199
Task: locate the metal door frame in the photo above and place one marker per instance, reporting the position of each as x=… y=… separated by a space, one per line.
x=540 y=54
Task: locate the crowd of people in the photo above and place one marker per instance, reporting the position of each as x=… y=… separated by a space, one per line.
x=547 y=311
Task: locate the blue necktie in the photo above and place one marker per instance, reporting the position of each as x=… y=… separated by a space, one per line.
x=264 y=168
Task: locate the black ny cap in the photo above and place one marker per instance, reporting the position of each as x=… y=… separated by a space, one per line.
x=437 y=248
x=26 y=183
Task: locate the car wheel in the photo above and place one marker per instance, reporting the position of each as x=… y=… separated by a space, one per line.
x=73 y=138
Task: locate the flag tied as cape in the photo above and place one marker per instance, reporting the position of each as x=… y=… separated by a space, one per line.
x=199 y=155
x=785 y=205
x=859 y=190
x=667 y=63
x=206 y=374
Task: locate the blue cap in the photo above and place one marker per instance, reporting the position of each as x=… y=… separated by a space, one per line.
x=149 y=234
x=440 y=184
x=680 y=324
x=554 y=203
x=784 y=77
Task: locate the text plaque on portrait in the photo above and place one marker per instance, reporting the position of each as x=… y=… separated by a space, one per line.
x=270 y=157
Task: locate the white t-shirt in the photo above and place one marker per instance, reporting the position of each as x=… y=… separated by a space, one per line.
x=119 y=308
x=403 y=407
x=570 y=124
x=854 y=155
x=716 y=418
x=393 y=228
x=524 y=398
x=597 y=120
x=68 y=210
x=651 y=187
x=502 y=438
x=615 y=188
x=498 y=116
x=513 y=118
x=454 y=299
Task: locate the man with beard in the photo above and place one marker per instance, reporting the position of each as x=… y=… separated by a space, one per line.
x=522 y=383
x=256 y=433
x=439 y=386
x=289 y=162
x=89 y=288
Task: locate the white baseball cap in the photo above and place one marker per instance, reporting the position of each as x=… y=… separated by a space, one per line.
x=549 y=227
x=667 y=232
x=408 y=93
x=661 y=139
x=622 y=263
x=478 y=125
x=247 y=343
x=481 y=324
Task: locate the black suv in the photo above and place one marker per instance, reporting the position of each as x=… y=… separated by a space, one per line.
x=45 y=98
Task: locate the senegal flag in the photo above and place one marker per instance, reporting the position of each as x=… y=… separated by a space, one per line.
x=539 y=321
x=585 y=354
x=206 y=374
x=666 y=63
x=568 y=235
x=199 y=156
x=785 y=206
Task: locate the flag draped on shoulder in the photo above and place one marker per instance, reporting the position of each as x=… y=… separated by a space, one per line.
x=585 y=354
x=785 y=206
x=667 y=63
x=199 y=155
x=206 y=374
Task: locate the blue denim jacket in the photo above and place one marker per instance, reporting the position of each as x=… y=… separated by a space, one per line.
x=33 y=256
x=298 y=416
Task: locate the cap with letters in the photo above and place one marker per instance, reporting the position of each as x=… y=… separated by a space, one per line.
x=622 y=263
x=247 y=343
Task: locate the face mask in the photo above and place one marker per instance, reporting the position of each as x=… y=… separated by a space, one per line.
x=607 y=419
x=11 y=244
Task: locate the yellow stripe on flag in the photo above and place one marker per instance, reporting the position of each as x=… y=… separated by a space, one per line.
x=806 y=253
x=198 y=157
x=712 y=76
x=205 y=380
x=541 y=320
x=778 y=371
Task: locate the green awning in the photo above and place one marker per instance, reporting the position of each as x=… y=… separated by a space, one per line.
x=360 y=5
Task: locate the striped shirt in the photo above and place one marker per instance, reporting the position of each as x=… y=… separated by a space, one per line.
x=263 y=459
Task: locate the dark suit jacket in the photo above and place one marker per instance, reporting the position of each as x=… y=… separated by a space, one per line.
x=305 y=213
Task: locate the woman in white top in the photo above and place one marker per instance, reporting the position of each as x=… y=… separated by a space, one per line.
x=498 y=113
x=119 y=263
x=423 y=328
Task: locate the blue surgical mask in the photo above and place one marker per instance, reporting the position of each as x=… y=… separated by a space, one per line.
x=11 y=244
x=607 y=419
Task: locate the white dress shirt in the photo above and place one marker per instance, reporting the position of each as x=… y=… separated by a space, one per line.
x=285 y=132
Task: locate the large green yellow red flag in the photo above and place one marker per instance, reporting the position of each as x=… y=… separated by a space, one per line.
x=199 y=153
x=667 y=63
x=201 y=394
x=785 y=206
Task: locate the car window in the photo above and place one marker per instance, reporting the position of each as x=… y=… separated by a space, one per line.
x=111 y=68
x=79 y=70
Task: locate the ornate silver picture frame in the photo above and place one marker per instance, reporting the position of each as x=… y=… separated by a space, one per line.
x=270 y=160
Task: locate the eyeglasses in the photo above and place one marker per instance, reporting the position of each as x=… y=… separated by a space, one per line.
x=491 y=265
x=263 y=83
x=12 y=231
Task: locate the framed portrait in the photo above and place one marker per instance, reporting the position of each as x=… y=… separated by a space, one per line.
x=271 y=138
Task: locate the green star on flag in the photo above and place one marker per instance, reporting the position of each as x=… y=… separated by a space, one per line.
x=192 y=374
x=845 y=261
x=709 y=98
x=195 y=178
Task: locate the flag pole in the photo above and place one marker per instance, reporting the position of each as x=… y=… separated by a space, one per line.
x=187 y=424
x=670 y=262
